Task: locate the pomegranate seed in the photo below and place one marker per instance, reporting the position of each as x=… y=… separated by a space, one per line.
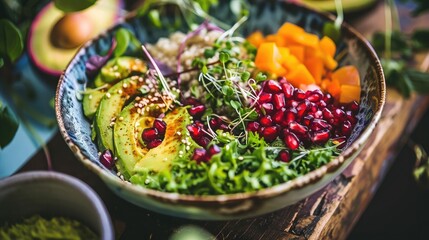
x=292 y=103
x=287 y=89
x=265 y=97
x=194 y=131
x=268 y=107
x=215 y=122
x=299 y=95
x=319 y=124
x=327 y=114
x=322 y=104
x=289 y=116
x=197 y=111
x=351 y=118
x=318 y=114
x=272 y=86
x=347 y=128
x=192 y=101
x=150 y=134
x=253 y=126
x=281 y=80
x=338 y=113
x=213 y=150
x=106 y=158
x=270 y=133
x=154 y=143
x=284 y=156
x=200 y=155
x=266 y=120
x=199 y=124
x=320 y=137
x=224 y=127
x=160 y=125
x=313 y=96
x=353 y=106
x=307 y=120
x=297 y=128
x=279 y=116
x=279 y=100
x=302 y=108
x=203 y=141
x=313 y=107
x=291 y=140
x=328 y=99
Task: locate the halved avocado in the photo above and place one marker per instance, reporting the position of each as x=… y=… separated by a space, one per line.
x=111 y=105
x=54 y=36
x=134 y=157
x=115 y=70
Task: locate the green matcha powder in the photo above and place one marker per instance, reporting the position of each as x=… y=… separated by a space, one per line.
x=37 y=227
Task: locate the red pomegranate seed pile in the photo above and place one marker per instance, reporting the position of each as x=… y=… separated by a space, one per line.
x=154 y=135
x=199 y=132
x=301 y=118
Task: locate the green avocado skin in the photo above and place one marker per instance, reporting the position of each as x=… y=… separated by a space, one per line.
x=134 y=157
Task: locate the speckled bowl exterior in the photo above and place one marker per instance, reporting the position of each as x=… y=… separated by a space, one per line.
x=52 y=194
x=266 y=16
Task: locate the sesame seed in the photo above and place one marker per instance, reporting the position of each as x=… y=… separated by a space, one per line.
x=117 y=74
x=125 y=85
x=108 y=95
x=147 y=181
x=121 y=118
x=120 y=91
x=188 y=148
x=240 y=158
x=90 y=96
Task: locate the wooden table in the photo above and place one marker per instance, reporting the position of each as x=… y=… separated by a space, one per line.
x=328 y=214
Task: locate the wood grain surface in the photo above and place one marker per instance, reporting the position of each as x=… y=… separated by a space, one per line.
x=328 y=214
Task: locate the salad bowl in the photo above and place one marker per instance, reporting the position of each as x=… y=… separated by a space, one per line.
x=266 y=17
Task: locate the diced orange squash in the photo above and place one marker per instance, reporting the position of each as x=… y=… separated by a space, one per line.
x=330 y=62
x=256 y=38
x=309 y=87
x=315 y=66
x=347 y=75
x=289 y=30
x=349 y=93
x=268 y=58
x=334 y=88
x=271 y=38
x=325 y=83
x=289 y=61
x=299 y=75
x=297 y=51
x=307 y=39
x=327 y=46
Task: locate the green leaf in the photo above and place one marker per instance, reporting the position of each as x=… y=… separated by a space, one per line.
x=420 y=39
x=1 y=62
x=11 y=43
x=420 y=80
x=122 y=37
x=73 y=5
x=330 y=30
x=8 y=126
x=224 y=57
x=155 y=18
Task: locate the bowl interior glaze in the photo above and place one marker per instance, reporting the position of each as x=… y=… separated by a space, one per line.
x=266 y=16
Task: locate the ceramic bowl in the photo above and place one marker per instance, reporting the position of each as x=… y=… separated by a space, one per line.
x=52 y=194
x=266 y=16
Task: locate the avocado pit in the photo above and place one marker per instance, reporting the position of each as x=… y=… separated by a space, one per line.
x=71 y=31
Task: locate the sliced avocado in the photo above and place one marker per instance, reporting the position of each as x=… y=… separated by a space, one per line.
x=111 y=105
x=119 y=68
x=127 y=147
x=172 y=147
x=90 y=102
x=134 y=157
